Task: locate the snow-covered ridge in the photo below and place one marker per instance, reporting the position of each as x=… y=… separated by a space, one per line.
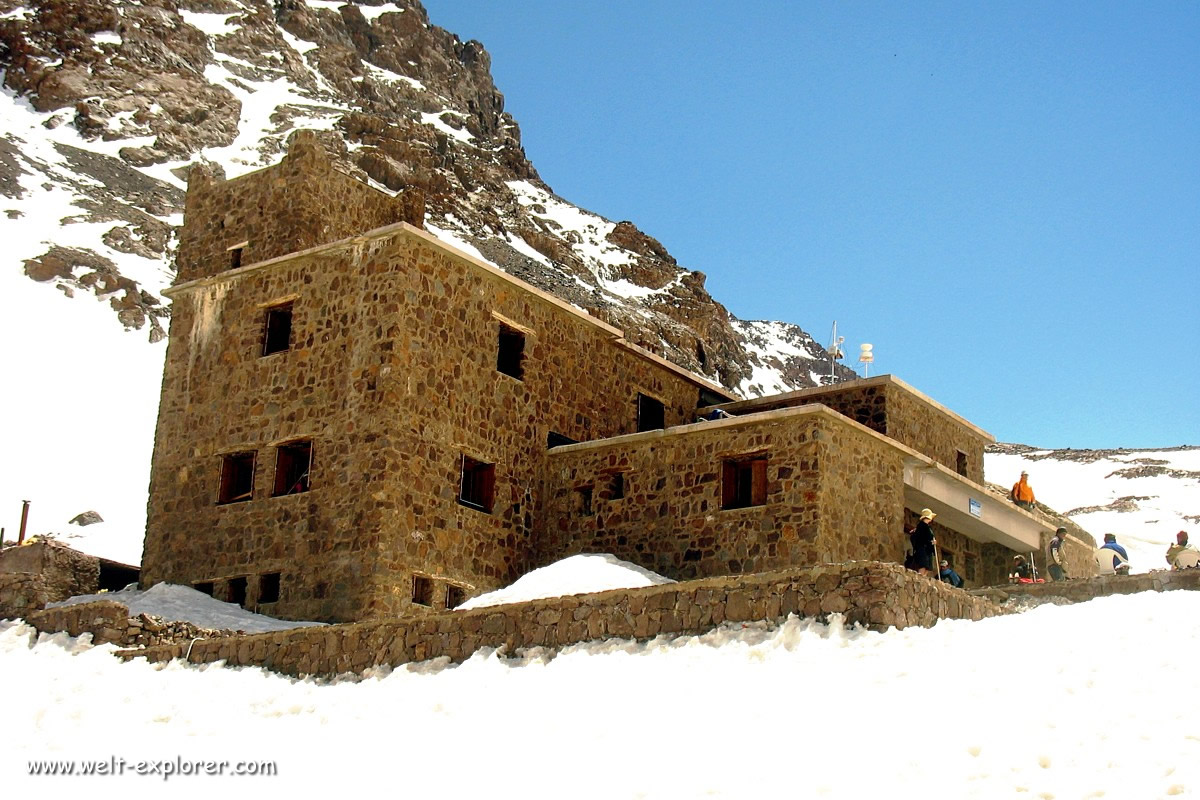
x=770 y=345
x=1143 y=496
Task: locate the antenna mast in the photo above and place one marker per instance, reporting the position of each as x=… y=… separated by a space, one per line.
x=834 y=350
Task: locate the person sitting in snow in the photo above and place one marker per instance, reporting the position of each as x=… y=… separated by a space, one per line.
x=1022 y=493
x=1021 y=568
x=1120 y=557
x=1182 y=555
x=950 y=576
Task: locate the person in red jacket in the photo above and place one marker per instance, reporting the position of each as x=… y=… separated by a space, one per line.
x=1022 y=492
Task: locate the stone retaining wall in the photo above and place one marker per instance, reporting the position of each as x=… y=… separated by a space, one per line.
x=870 y=593
x=21 y=593
x=1080 y=590
x=109 y=622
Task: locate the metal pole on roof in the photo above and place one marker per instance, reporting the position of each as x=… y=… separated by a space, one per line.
x=835 y=350
x=24 y=521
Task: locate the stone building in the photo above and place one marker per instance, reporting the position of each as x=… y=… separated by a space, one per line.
x=359 y=420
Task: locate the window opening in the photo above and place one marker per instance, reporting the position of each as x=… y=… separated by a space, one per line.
x=960 y=463
x=616 y=486
x=277 y=329
x=235 y=257
x=744 y=482
x=476 y=484
x=204 y=587
x=237 y=591
x=293 y=462
x=268 y=588
x=455 y=595
x=237 y=478
x=511 y=353
x=651 y=414
x=422 y=590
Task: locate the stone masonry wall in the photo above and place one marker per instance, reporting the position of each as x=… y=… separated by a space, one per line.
x=21 y=593
x=874 y=595
x=861 y=496
x=300 y=203
x=927 y=430
x=109 y=623
x=833 y=493
x=1080 y=590
x=888 y=408
x=392 y=375
x=64 y=572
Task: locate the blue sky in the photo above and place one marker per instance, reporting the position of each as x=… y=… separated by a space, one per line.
x=1004 y=198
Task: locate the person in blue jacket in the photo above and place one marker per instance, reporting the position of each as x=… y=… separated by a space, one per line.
x=950 y=576
x=1120 y=557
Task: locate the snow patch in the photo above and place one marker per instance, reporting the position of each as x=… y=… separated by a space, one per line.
x=210 y=24
x=434 y=118
x=184 y=604
x=575 y=575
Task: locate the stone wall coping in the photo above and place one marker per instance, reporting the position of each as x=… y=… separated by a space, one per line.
x=617 y=336
x=879 y=380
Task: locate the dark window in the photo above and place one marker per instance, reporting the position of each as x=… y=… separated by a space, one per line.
x=651 y=415
x=511 y=352
x=268 y=587
x=237 y=591
x=235 y=258
x=960 y=463
x=277 y=329
x=583 y=501
x=554 y=439
x=422 y=590
x=616 y=486
x=744 y=482
x=204 y=587
x=477 y=484
x=455 y=595
x=292 y=464
x=237 y=478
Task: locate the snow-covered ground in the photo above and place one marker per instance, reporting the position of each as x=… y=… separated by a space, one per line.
x=1084 y=701
x=1115 y=493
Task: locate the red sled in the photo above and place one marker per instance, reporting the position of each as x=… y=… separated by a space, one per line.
x=1031 y=580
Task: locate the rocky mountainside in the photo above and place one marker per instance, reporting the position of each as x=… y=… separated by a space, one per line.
x=106 y=106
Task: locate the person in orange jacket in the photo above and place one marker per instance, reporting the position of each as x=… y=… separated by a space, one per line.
x=1022 y=492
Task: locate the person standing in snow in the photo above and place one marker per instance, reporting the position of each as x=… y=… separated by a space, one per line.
x=923 y=543
x=1120 y=557
x=1179 y=548
x=1054 y=555
x=1022 y=493
x=950 y=576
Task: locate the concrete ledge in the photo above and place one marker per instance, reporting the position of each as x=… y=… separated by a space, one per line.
x=873 y=594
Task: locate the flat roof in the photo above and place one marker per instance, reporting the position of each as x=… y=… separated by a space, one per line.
x=813 y=394
x=616 y=335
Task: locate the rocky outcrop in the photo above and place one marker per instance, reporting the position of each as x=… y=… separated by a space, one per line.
x=155 y=86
